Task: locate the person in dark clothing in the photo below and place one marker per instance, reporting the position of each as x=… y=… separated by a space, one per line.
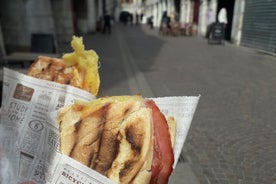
x=130 y=18
x=107 y=23
x=124 y=17
x=150 y=22
x=137 y=18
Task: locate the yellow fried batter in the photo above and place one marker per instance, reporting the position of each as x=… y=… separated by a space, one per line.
x=86 y=61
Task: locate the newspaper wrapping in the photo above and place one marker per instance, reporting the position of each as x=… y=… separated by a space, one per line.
x=29 y=133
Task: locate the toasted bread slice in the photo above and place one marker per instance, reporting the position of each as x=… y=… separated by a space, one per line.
x=112 y=135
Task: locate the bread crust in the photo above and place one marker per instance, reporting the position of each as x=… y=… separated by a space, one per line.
x=172 y=129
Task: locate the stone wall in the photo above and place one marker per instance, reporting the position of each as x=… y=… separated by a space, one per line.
x=63 y=21
x=13 y=17
x=21 y=18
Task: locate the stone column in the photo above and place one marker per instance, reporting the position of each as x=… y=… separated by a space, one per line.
x=202 y=17
x=237 y=21
x=2 y=44
x=91 y=15
x=155 y=14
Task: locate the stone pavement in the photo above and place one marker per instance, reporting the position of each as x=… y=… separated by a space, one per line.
x=232 y=139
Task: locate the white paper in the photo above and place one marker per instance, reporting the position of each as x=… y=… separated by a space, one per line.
x=26 y=101
x=182 y=109
x=29 y=138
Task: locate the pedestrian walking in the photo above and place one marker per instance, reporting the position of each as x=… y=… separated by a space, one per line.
x=150 y=22
x=107 y=23
x=130 y=18
x=137 y=18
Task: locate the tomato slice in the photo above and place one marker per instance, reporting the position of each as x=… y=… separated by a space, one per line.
x=163 y=157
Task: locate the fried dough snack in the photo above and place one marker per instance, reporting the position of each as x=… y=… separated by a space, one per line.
x=79 y=68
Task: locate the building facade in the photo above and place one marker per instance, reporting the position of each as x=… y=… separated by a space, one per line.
x=259 y=25
x=251 y=23
x=20 y=19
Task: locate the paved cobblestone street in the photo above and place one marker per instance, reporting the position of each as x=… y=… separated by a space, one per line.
x=232 y=139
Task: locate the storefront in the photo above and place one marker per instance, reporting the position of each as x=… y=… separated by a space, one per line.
x=259 y=25
x=208 y=13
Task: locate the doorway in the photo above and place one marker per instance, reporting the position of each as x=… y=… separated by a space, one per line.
x=79 y=16
x=177 y=6
x=229 y=6
x=196 y=12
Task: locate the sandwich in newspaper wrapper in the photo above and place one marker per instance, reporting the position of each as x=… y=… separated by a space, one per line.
x=30 y=137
